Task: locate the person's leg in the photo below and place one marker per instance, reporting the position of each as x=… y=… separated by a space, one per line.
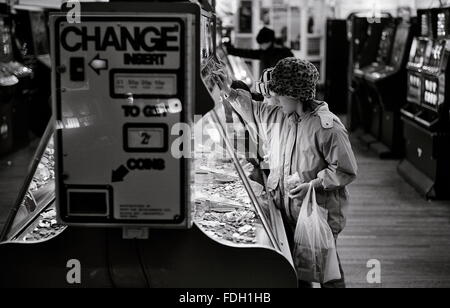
x=304 y=285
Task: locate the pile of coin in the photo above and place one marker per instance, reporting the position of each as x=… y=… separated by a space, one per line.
x=237 y=226
x=45 y=227
x=225 y=211
x=45 y=172
x=234 y=191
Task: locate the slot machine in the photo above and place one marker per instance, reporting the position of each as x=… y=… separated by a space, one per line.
x=32 y=51
x=387 y=88
x=426 y=116
x=112 y=174
x=370 y=110
x=414 y=77
x=337 y=56
x=20 y=103
x=364 y=35
x=383 y=57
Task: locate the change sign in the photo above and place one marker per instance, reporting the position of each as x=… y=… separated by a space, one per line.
x=120 y=90
x=153 y=45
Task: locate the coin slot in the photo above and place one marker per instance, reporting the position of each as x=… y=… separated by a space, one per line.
x=88 y=203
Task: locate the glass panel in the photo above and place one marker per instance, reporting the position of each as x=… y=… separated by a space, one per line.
x=223 y=207
x=35 y=219
x=229 y=207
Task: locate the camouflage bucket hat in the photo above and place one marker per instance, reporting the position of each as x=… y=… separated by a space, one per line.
x=295 y=78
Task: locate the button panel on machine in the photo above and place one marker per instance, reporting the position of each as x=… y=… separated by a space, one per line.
x=122 y=91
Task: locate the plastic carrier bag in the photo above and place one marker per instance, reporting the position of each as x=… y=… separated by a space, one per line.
x=315 y=255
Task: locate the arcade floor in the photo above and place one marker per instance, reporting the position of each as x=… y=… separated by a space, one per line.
x=388 y=222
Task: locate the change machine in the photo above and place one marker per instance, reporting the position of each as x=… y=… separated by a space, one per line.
x=120 y=92
x=113 y=173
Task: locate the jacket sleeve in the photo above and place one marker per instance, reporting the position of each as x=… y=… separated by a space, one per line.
x=252 y=111
x=254 y=54
x=342 y=166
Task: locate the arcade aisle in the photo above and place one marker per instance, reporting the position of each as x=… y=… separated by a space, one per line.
x=390 y=222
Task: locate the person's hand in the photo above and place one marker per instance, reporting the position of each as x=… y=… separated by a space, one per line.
x=248 y=169
x=299 y=193
x=226 y=42
x=223 y=79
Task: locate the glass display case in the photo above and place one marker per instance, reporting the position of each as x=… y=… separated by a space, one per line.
x=229 y=206
x=33 y=219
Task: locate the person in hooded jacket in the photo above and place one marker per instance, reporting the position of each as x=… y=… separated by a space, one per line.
x=303 y=137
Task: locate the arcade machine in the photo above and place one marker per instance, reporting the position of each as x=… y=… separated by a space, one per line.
x=370 y=110
x=364 y=34
x=32 y=49
x=8 y=87
x=387 y=89
x=21 y=104
x=337 y=55
x=104 y=180
x=426 y=116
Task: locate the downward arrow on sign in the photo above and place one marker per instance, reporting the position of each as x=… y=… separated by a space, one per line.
x=119 y=174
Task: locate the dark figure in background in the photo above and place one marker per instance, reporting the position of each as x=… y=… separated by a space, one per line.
x=269 y=53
